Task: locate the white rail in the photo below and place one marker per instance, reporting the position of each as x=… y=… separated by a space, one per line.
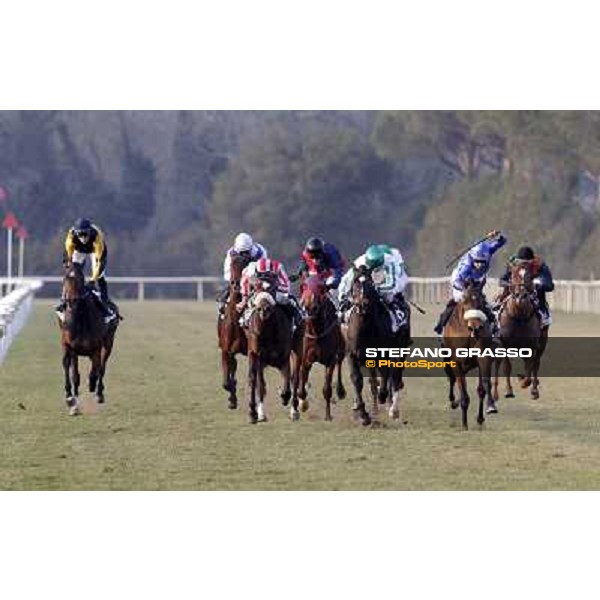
x=568 y=296
x=14 y=312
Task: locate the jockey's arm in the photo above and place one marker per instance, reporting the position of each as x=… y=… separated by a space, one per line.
x=544 y=281
x=345 y=284
x=227 y=267
x=247 y=275
x=283 y=281
x=301 y=270
x=69 y=248
x=495 y=244
x=98 y=256
x=504 y=280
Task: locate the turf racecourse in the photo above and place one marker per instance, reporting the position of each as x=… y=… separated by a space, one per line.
x=166 y=424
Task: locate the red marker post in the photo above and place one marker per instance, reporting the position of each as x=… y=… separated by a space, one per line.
x=10 y=222
x=22 y=234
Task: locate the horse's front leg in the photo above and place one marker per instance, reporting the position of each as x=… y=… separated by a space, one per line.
x=451 y=383
x=304 y=375
x=464 y=399
x=535 y=392
x=395 y=411
x=357 y=380
x=72 y=401
x=76 y=378
x=252 y=379
x=340 y=390
x=486 y=382
x=509 y=393
x=328 y=390
x=262 y=392
x=296 y=368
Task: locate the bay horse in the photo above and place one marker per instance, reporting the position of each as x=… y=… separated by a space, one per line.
x=323 y=341
x=270 y=343
x=520 y=327
x=368 y=326
x=83 y=333
x=232 y=338
x=467 y=327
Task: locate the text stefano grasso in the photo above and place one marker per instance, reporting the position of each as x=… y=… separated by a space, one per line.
x=496 y=352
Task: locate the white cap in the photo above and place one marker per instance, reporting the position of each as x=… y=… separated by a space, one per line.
x=243 y=242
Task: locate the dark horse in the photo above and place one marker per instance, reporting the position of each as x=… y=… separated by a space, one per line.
x=232 y=338
x=468 y=328
x=323 y=341
x=520 y=328
x=84 y=333
x=270 y=343
x=368 y=325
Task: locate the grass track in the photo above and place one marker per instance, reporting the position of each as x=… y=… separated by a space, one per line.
x=166 y=425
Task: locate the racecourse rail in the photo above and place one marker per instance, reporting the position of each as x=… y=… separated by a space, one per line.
x=568 y=296
x=14 y=311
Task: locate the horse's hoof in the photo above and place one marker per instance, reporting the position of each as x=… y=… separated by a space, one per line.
x=341 y=393
x=535 y=395
x=253 y=419
x=262 y=419
x=394 y=414
x=366 y=420
x=491 y=410
x=285 y=399
x=453 y=405
x=509 y=395
x=74 y=411
x=100 y=399
x=303 y=405
x=328 y=418
x=232 y=405
x=294 y=415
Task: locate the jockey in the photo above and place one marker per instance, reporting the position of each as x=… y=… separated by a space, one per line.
x=473 y=267
x=542 y=281
x=251 y=277
x=390 y=278
x=86 y=239
x=249 y=250
x=321 y=258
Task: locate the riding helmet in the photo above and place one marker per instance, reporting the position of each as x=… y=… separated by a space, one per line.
x=315 y=246
x=243 y=242
x=374 y=256
x=525 y=253
x=82 y=226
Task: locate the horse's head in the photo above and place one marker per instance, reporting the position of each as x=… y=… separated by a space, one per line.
x=314 y=295
x=521 y=288
x=363 y=293
x=73 y=283
x=264 y=304
x=237 y=264
x=472 y=305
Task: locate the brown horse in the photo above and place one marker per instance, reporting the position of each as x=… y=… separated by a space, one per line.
x=468 y=328
x=368 y=326
x=232 y=338
x=323 y=341
x=83 y=333
x=520 y=328
x=270 y=343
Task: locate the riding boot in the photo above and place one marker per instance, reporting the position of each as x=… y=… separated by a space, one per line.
x=444 y=317
x=104 y=302
x=489 y=313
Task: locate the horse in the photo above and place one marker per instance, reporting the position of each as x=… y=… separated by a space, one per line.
x=368 y=325
x=270 y=343
x=83 y=333
x=232 y=338
x=520 y=327
x=467 y=327
x=323 y=341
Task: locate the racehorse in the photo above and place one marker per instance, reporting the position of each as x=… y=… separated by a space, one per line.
x=270 y=343
x=84 y=333
x=232 y=338
x=468 y=328
x=368 y=325
x=323 y=341
x=520 y=327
